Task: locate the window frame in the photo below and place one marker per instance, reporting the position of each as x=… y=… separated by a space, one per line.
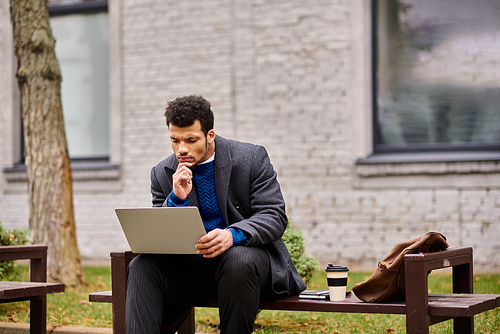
x=379 y=148
x=79 y=8
x=97 y=169
x=84 y=8
x=417 y=169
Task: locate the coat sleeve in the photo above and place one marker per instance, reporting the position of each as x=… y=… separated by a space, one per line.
x=159 y=196
x=267 y=220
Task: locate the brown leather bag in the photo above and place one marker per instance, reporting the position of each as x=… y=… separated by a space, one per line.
x=387 y=283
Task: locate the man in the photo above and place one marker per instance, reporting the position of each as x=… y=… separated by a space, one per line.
x=242 y=258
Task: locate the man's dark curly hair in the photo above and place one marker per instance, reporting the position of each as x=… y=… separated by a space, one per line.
x=185 y=110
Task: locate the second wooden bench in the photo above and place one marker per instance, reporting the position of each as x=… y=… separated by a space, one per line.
x=36 y=289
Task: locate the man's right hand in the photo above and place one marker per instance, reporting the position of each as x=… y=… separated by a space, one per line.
x=182 y=180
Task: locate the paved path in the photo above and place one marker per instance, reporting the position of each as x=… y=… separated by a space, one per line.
x=15 y=328
x=18 y=328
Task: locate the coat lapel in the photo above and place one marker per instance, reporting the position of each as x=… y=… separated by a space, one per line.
x=223 y=166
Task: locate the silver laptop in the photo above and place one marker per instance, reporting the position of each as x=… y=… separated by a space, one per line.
x=161 y=230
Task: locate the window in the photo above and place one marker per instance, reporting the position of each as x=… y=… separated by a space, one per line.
x=415 y=126
x=436 y=75
x=82 y=48
x=91 y=93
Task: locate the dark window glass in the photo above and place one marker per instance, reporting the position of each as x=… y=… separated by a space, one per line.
x=436 y=74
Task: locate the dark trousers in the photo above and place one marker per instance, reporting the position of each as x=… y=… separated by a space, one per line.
x=161 y=289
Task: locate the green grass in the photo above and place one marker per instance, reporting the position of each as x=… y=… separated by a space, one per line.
x=73 y=309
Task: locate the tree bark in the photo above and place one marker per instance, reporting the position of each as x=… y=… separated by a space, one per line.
x=50 y=184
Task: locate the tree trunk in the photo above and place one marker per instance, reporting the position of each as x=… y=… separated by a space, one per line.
x=50 y=182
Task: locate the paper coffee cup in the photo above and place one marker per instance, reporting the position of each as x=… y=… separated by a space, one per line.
x=337 y=282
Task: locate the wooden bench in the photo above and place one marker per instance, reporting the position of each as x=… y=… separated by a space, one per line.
x=421 y=308
x=36 y=289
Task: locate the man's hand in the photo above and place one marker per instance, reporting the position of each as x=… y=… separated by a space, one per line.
x=182 y=180
x=214 y=243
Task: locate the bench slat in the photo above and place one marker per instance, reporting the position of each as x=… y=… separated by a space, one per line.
x=440 y=304
x=461 y=305
x=350 y=305
x=12 y=290
x=101 y=297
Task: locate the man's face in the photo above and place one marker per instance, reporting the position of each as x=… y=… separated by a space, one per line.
x=190 y=144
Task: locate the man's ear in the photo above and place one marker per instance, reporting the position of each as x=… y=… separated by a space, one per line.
x=211 y=136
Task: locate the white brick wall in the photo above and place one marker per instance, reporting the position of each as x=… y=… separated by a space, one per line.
x=278 y=73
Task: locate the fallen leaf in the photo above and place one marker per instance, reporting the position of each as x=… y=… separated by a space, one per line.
x=52 y=327
x=389 y=330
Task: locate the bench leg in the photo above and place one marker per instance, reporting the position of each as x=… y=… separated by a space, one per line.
x=188 y=326
x=417 y=307
x=463 y=283
x=119 y=290
x=38 y=315
x=118 y=317
x=463 y=278
x=463 y=325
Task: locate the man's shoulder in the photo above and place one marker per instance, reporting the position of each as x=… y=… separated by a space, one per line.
x=241 y=154
x=239 y=147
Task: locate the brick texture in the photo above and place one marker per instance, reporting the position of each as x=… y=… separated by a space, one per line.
x=278 y=74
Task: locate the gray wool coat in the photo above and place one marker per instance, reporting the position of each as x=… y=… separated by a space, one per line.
x=250 y=199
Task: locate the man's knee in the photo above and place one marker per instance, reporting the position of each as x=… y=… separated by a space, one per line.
x=138 y=264
x=142 y=267
x=242 y=263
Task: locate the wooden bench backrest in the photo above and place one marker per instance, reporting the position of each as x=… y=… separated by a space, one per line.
x=37 y=254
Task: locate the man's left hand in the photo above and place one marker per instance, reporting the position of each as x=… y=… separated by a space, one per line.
x=214 y=243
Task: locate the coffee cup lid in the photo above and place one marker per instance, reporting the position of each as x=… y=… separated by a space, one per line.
x=332 y=268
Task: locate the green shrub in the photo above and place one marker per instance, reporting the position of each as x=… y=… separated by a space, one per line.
x=295 y=243
x=16 y=237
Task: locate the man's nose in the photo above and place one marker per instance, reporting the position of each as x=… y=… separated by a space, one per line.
x=182 y=149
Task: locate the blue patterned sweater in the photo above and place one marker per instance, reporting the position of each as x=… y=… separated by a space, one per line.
x=204 y=180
